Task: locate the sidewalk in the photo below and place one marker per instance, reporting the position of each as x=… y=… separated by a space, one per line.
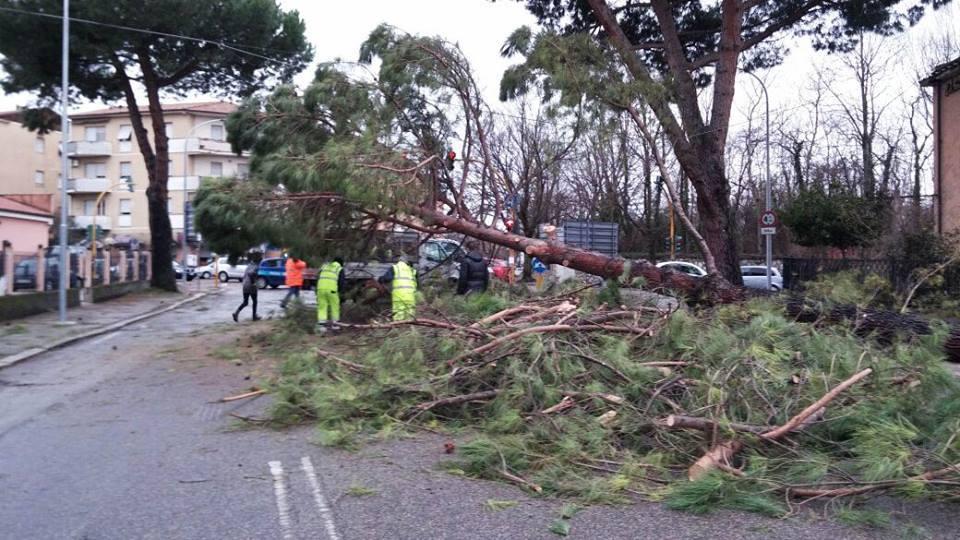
x=22 y=338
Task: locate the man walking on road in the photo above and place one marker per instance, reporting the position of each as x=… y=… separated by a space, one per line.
x=293 y=279
x=403 y=289
x=474 y=275
x=330 y=281
x=250 y=275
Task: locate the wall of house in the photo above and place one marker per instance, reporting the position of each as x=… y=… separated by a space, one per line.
x=23 y=234
x=29 y=163
x=948 y=156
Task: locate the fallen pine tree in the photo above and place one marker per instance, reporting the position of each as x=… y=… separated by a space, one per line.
x=567 y=396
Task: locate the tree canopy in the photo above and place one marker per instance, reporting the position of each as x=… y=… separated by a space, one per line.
x=668 y=52
x=164 y=48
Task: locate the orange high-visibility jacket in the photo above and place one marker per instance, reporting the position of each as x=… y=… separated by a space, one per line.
x=294 y=273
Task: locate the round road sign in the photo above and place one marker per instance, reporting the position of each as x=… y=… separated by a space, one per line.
x=768 y=219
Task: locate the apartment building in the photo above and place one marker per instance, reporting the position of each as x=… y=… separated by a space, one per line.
x=104 y=157
x=29 y=161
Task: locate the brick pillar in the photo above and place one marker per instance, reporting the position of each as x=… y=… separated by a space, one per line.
x=41 y=270
x=136 y=265
x=86 y=261
x=106 y=267
x=8 y=268
x=123 y=266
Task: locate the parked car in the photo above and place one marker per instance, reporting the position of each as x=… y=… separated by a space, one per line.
x=178 y=268
x=25 y=276
x=755 y=277
x=225 y=270
x=272 y=272
x=684 y=267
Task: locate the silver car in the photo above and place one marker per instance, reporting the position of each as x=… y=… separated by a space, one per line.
x=755 y=277
x=224 y=270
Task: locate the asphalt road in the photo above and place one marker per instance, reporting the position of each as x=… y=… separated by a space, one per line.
x=117 y=438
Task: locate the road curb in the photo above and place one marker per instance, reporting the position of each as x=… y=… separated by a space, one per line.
x=13 y=359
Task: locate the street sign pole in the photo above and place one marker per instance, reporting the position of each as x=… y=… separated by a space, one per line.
x=64 y=163
x=768 y=206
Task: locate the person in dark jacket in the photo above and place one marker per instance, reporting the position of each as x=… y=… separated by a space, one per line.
x=474 y=276
x=250 y=276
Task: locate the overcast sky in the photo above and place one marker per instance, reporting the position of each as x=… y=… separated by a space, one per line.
x=337 y=29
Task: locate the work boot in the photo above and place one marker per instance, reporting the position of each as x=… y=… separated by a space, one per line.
x=256 y=318
x=320 y=329
x=235 y=314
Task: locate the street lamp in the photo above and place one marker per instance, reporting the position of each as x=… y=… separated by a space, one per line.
x=768 y=206
x=185 y=150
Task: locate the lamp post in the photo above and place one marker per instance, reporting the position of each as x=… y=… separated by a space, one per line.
x=64 y=163
x=768 y=202
x=186 y=141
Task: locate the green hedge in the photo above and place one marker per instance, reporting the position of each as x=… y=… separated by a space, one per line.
x=16 y=306
x=102 y=293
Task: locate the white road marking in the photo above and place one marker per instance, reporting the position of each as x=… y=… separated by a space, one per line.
x=280 y=492
x=325 y=512
x=100 y=340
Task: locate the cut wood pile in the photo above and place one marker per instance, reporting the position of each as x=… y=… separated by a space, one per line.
x=738 y=406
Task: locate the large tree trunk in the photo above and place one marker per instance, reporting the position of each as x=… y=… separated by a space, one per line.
x=158 y=173
x=713 y=289
x=698 y=148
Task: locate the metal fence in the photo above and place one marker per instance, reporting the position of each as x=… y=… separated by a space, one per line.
x=901 y=273
x=24 y=271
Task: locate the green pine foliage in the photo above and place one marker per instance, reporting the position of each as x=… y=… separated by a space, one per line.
x=745 y=363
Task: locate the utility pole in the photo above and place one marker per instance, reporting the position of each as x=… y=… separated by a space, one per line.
x=64 y=163
x=768 y=206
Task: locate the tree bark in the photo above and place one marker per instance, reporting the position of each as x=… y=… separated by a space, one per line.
x=699 y=150
x=158 y=173
x=713 y=289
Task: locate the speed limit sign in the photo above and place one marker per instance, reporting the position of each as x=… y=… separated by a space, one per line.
x=768 y=219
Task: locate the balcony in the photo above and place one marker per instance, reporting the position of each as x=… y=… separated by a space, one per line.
x=82 y=222
x=89 y=149
x=87 y=185
x=175 y=183
x=196 y=145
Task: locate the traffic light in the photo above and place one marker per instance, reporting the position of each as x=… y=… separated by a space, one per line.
x=451 y=157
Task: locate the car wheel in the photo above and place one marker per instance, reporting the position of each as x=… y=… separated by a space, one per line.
x=261 y=283
x=273 y=286
x=774 y=288
x=205 y=275
x=224 y=277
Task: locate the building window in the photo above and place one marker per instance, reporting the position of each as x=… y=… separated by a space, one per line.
x=95 y=170
x=216 y=168
x=243 y=170
x=126 y=169
x=125 y=219
x=90 y=210
x=39 y=146
x=125 y=136
x=168 y=127
x=38 y=178
x=216 y=132
x=95 y=134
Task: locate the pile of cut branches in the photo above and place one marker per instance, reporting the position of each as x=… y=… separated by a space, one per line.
x=738 y=406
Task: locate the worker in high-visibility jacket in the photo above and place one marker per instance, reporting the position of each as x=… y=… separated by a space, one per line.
x=330 y=283
x=403 y=289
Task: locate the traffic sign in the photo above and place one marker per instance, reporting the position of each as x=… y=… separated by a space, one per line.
x=768 y=219
x=768 y=230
